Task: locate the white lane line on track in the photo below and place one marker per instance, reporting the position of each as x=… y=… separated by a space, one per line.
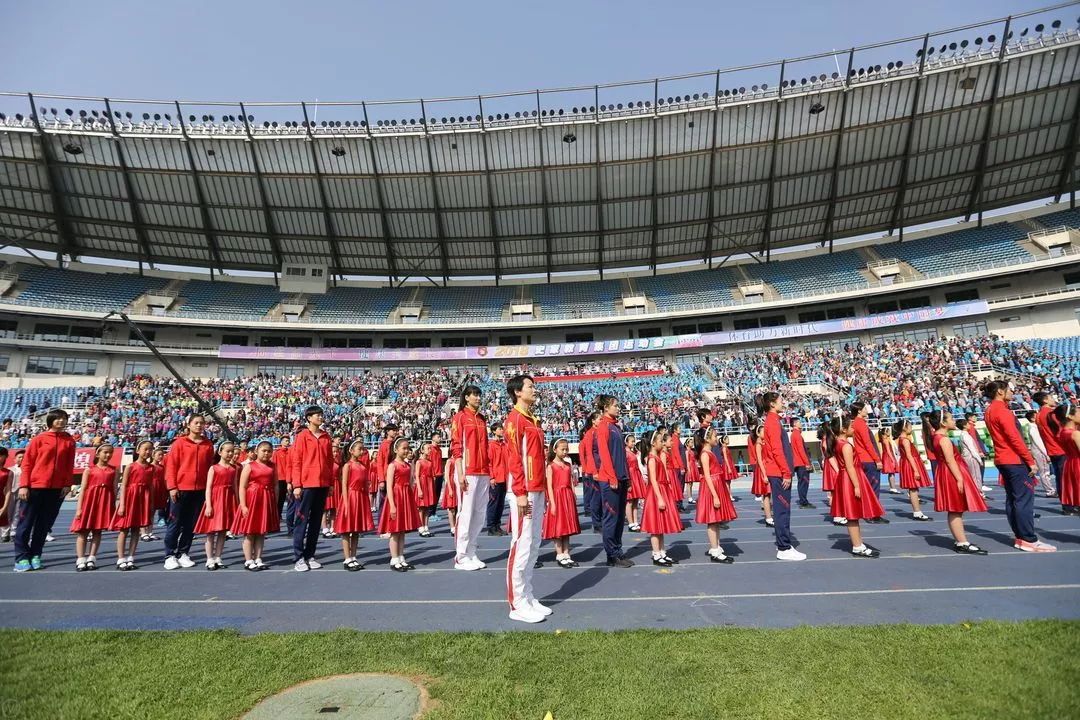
x=474 y=601
x=501 y=569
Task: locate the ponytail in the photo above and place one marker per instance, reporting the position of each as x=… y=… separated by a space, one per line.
x=934 y=421
x=764 y=400
x=1059 y=415
x=899 y=428
x=589 y=420
x=991 y=389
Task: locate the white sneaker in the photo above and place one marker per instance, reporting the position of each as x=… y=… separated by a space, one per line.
x=535 y=606
x=49 y=538
x=790 y=554
x=259 y=563
x=171 y=563
x=300 y=566
x=526 y=615
x=314 y=564
x=986 y=488
x=466 y=564
x=480 y=564
x=186 y=562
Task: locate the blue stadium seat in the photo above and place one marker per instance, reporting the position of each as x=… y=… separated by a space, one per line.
x=568 y=300
x=104 y=292
x=356 y=304
x=947 y=252
x=203 y=298
x=687 y=290
x=467 y=304
x=792 y=278
x=1069 y=218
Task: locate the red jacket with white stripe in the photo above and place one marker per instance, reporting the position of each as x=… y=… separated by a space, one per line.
x=525 y=451
x=50 y=461
x=188 y=463
x=468 y=439
x=312 y=460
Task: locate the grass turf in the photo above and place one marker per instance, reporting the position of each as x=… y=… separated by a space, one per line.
x=971 y=670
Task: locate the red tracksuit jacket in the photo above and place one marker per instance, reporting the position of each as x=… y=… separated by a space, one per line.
x=798 y=449
x=312 y=460
x=468 y=439
x=865 y=452
x=1049 y=437
x=280 y=459
x=1009 y=446
x=435 y=455
x=497 y=461
x=50 y=461
x=188 y=463
x=525 y=452
x=772 y=448
x=382 y=461
x=585 y=452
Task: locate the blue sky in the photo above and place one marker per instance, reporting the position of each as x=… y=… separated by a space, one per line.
x=272 y=50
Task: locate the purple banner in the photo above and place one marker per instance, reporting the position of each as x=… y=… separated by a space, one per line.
x=610 y=347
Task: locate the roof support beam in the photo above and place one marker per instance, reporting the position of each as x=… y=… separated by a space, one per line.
x=380 y=198
x=1070 y=157
x=599 y=183
x=984 y=146
x=133 y=201
x=767 y=234
x=331 y=235
x=710 y=202
x=264 y=197
x=655 y=125
x=916 y=97
x=543 y=188
x=490 y=184
x=63 y=223
x=440 y=230
x=200 y=196
x=18 y=242
x=831 y=210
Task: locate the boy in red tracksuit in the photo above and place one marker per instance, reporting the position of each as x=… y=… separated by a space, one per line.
x=526 y=451
x=312 y=458
x=186 y=468
x=497 y=492
x=469 y=452
x=47 y=468
x=436 y=458
x=802 y=462
x=774 y=457
x=383 y=457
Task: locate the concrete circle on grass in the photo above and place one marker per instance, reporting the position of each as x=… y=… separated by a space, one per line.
x=345 y=697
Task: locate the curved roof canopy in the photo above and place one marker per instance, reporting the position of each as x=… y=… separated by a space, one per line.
x=576 y=179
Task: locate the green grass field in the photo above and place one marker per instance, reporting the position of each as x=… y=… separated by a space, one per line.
x=977 y=670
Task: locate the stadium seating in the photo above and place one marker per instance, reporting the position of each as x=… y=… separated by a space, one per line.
x=16 y=402
x=467 y=303
x=203 y=298
x=104 y=292
x=793 y=278
x=940 y=254
x=568 y=300
x=356 y=304
x=1066 y=347
x=1069 y=218
x=680 y=291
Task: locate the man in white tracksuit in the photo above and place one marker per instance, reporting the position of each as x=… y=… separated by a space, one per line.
x=469 y=453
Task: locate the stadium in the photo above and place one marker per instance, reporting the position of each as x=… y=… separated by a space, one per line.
x=878 y=233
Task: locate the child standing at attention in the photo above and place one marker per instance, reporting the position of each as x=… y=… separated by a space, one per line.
x=399 y=514
x=258 y=512
x=43 y=482
x=661 y=515
x=638 y=488
x=354 y=516
x=220 y=505
x=714 y=505
x=561 y=519
x=135 y=508
x=425 y=487
x=94 y=508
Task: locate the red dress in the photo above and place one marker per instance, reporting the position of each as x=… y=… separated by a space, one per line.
x=844 y=502
x=354 y=515
x=160 y=492
x=706 y=513
x=655 y=521
x=449 y=499
x=912 y=479
x=1070 y=474
x=674 y=497
x=730 y=471
x=947 y=497
x=889 y=465
x=425 y=483
x=261 y=501
x=223 y=501
x=407 y=517
x=334 y=496
x=829 y=471
x=98 y=500
x=565 y=521
x=638 y=488
x=138 y=494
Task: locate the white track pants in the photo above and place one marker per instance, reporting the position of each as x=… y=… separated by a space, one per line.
x=525 y=532
x=472 y=511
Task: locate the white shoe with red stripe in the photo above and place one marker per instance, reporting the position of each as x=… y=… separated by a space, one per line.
x=1037 y=546
x=526 y=615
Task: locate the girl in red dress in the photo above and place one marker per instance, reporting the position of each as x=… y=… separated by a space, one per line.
x=829 y=468
x=354 y=515
x=449 y=499
x=257 y=514
x=561 y=518
x=159 y=494
x=1065 y=423
x=760 y=485
x=890 y=465
x=854 y=497
x=912 y=471
x=219 y=506
x=638 y=489
x=714 y=504
x=399 y=514
x=955 y=491
x=661 y=516
x=135 y=508
x=333 y=497
x=693 y=470
x=425 y=487
x=730 y=471
x=94 y=509
x=928 y=442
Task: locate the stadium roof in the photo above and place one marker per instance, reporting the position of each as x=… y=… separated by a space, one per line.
x=697 y=167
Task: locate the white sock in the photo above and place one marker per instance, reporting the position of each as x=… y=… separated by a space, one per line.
x=716 y=551
x=80 y=560
x=658 y=555
x=91 y=558
x=858 y=548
